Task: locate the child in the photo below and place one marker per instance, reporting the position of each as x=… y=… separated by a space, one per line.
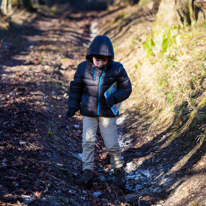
x=92 y=78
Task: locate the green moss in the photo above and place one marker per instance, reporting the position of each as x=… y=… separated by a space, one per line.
x=149 y=45
x=51 y=133
x=120 y=17
x=52 y=11
x=159 y=41
x=142 y=2
x=45 y=52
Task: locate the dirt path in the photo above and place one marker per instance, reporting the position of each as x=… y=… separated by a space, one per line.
x=40 y=149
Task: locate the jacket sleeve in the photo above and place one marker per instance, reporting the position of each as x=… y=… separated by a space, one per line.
x=76 y=90
x=124 y=87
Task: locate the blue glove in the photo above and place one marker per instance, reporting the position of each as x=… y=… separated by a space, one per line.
x=110 y=101
x=70 y=112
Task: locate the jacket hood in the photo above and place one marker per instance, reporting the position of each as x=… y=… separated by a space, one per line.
x=101 y=45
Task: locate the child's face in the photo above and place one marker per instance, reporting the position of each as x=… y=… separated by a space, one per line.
x=99 y=62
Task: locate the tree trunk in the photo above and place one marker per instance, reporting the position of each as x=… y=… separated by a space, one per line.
x=9 y=7
x=149 y=4
x=130 y=2
x=200 y=10
x=4 y=7
x=180 y=12
x=171 y=15
x=166 y=15
x=0 y=8
x=185 y=12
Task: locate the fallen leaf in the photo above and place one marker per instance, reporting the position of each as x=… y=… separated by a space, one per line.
x=37 y=193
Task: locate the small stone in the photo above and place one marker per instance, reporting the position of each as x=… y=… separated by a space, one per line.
x=97 y=194
x=131 y=177
x=22 y=143
x=4 y=164
x=15 y=184
x=76 y=126
x=137 y=178
x=26 y=196
x=131 y=173
x=102 y=178
x=84 y=192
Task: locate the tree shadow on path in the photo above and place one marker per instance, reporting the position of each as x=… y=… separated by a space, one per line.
x=170 y=160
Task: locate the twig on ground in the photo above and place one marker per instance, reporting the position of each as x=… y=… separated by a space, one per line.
x=192 y=116
x=60 y=181
x=25 y=176
x=62 y=169
x=74 y=202
x=51 y=176
x=67 y=153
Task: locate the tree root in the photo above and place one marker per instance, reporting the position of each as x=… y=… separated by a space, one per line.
x=192 y=116
x=66 y=153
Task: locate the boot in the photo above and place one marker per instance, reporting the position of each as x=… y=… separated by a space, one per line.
x=119 y=177
x=86 y=178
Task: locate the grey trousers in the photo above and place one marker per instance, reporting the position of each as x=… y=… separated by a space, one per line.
x=108 y=129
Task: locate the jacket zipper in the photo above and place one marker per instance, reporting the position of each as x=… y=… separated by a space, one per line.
x=83 y=102
x=94 y=72
x=100 y=91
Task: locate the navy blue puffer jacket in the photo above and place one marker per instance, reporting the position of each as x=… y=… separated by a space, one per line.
x=89 y=84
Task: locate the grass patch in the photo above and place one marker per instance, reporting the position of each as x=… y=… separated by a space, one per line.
x=51 y=133
x=159 y=42
x=172 y=76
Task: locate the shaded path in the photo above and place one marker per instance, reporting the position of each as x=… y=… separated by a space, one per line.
x=38 y=145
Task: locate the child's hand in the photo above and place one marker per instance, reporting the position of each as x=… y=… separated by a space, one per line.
x=70 y=112
x=110 y=101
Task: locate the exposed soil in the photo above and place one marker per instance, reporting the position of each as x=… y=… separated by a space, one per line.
x=40 y=149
